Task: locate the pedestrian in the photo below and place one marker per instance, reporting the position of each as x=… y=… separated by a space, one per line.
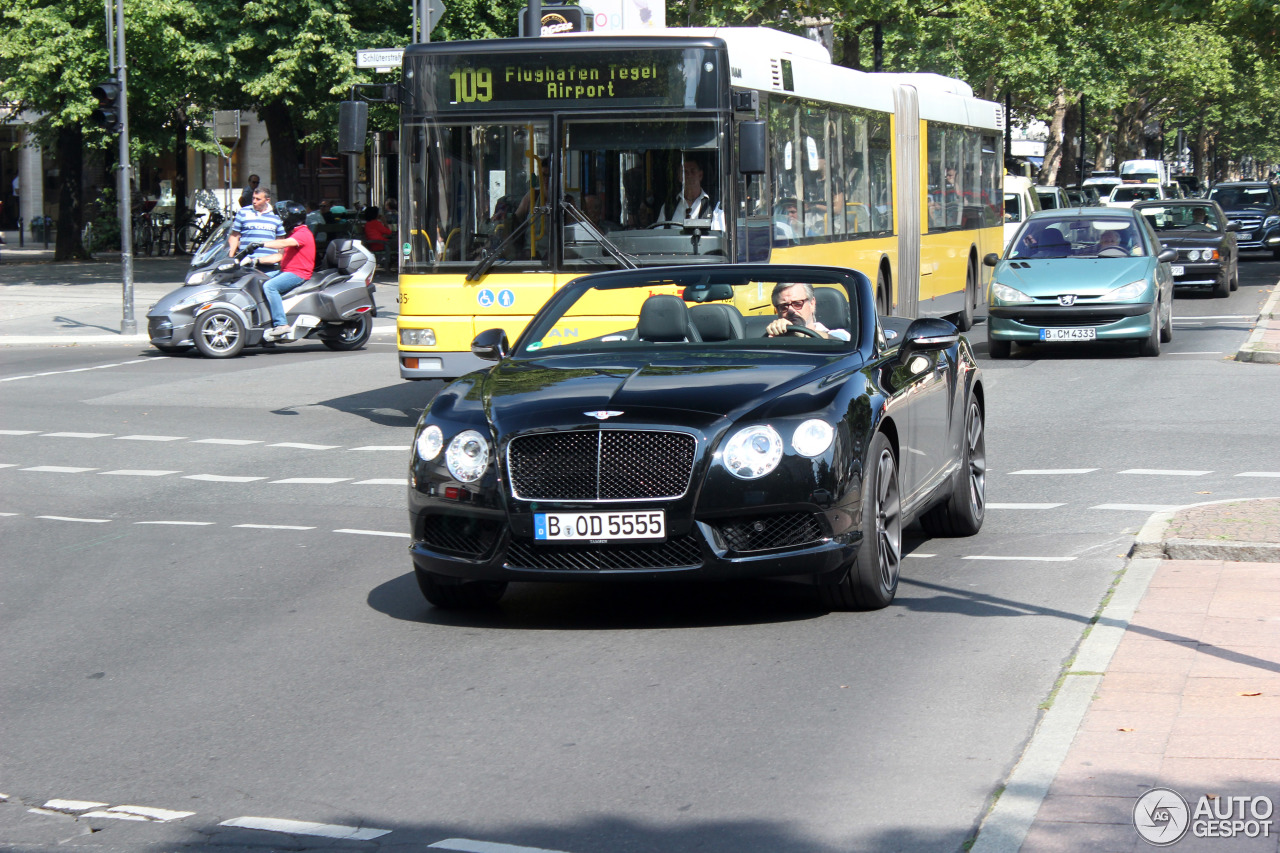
x=257 y=223
x=246 y=194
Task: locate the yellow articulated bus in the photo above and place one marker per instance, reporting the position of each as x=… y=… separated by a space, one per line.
x=528 y=162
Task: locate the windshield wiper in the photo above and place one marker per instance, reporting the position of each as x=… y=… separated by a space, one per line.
x=491 y=256
x=617 y=254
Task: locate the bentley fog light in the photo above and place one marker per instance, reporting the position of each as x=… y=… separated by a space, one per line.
x=429 y=442
x=1132 y=290
x=1005 y=293
x=467 y=456
x=813 y=437
x=753 y=452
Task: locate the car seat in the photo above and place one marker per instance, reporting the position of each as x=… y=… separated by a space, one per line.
x=717 y=322
x=832 y=308
x=665 y=319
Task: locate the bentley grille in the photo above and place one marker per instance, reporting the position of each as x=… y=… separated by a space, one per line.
x=601 y=465
x=772 y=531
x=677 y=553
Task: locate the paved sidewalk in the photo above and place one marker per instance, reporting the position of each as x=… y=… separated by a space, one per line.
x=1263 y=345
x=1176 y=686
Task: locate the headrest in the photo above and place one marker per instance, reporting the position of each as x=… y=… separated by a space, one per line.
x=833 y=308
x=717 y=322
x=664 y=319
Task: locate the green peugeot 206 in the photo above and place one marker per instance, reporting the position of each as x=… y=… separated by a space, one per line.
x=1081 y=275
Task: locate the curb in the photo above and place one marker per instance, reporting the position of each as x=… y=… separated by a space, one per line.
x=1006 y=825
x=1252 y=349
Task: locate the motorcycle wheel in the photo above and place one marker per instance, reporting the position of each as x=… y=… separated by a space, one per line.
x=219 y=334
x=353 y=335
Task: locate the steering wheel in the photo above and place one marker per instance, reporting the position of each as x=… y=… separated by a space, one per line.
x=666 y=223
x=1113 y=252
x=803 y=331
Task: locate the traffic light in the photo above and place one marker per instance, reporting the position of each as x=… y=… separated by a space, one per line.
x=109 y=113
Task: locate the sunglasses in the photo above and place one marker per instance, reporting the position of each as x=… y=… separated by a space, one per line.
x=794 y=305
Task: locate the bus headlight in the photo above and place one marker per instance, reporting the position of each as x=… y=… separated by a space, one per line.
x=418 y=337
x=467 y=456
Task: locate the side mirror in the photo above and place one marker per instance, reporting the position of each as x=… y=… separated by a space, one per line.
x=928 y=334
x=1167 y=256
x=991 y=260
x=752 y=148
x=491 y=345
x=1233 y=226
x=353 y=126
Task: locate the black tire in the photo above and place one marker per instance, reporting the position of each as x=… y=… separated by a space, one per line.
x=1222 y=287
x=165 y=241
x=186 y=239
x=871 y=582
x=882 y=294
x=353 y=335
x=998 y=349
x=169 y=349
x=964 y=320
x=218 y=334
x=458 y=596
x=964 y=510
x=1275 y=253
x=1235 y=276
x=1149 y=347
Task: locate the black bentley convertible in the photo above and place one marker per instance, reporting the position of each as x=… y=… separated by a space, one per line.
x=645 y=426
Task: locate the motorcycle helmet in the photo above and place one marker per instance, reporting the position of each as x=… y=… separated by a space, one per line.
x=292 y=214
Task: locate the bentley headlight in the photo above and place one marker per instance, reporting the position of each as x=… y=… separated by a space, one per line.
x=467 y=456
x=429 y=443
x=813 y=437
x=1005 y=293
x=753 y=452
x=1132 y=290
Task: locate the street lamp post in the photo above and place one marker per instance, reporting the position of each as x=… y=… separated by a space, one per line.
x=115 y=51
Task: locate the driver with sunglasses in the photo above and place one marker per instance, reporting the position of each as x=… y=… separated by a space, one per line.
x=797 y=305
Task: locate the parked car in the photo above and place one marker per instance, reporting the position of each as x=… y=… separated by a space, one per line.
x=1081 y=275
x=1052 y=198
x=1124 y=195
x=1020 y=201
x=643 y=427
x=1255 y=207
x=1204 y=239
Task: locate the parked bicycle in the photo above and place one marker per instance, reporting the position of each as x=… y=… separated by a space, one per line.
x=197 y=227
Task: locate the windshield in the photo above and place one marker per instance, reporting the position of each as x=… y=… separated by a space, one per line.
x=214 y=248
x=469 y=187
x=1135 y=193
x=1079 y=238
x=1181 y=218
x=728 y=309
x=653 y=188
x=1235 y=198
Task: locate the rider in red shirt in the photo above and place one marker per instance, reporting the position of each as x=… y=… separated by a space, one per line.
x=297 y=259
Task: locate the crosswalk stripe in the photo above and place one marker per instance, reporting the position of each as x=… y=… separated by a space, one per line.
x=302 y=827
x=1139 y=507
x=1165 y=472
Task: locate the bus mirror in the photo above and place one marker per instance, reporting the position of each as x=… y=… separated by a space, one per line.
x=752 y=148
x=353 y=126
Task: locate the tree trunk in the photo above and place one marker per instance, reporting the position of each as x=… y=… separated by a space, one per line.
x=284 y=150
x=850 y=41
x=1053 y=147
x=1200 y=154
x=1069 y=171
x=180 y=173
x=70 y=166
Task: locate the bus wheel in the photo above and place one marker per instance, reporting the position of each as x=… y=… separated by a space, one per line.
x=882 y=294
x=964 y=320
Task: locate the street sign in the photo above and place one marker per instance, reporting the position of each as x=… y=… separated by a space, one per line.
x=226 y=124
x=381 y=58
x=435 y=11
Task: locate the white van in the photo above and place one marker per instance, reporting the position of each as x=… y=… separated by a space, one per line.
x=1020 y=201
x=1145 y=172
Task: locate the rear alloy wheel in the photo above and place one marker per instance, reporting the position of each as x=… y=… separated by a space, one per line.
x=963 y=512
x=1149 y=347
x=871 y=582
x=352 y=335
x=440 y=592
x=219 y=334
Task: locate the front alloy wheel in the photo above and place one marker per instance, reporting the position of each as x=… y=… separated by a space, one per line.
x=219 y=334
x=871 y=582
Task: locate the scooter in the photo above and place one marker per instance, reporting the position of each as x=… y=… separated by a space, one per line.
x=221 y=308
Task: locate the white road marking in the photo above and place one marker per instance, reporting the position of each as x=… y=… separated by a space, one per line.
x=373 y=533
x=1259 y=474
x=301 y=446
x=1165 y=472
x=8 y=514
x=235 y=441
x=1029 y=559
x=920 y=556
x=1023 y=506
x=221 y=478
x=314 y=480
x=9 y=465
x=180 y=523
x=1139 y=507
x=1221 y=317
x=405 y=448
x=58 y=469
x=83 y=369
x=1195 y=353
x=302 y=827
x=67 y=518
x=466 y=845
x=117 y=816
x=73 y=805
x=18 y=431
x=1055 y=471
x=140 y=813
x=140 y=472
x=273 y=526
x=403 y=481
x=150 y=438
x=75 y=434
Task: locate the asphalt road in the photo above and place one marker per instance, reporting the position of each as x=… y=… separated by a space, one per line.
x=206 y=606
